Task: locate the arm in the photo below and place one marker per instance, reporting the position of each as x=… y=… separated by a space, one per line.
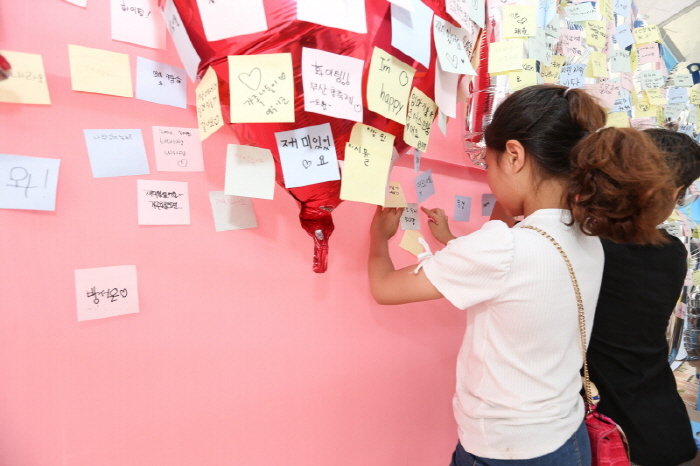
x=388 y=285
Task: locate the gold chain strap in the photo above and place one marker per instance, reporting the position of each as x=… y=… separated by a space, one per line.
x=581 y=315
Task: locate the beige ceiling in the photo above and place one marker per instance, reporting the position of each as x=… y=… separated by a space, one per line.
x=678 y=20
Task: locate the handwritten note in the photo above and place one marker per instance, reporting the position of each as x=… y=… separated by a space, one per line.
x=570 y=43
x=308 y=155
x=410 y=243
x=410 y=220
x=656 y=96
x=116 y=152
x=27 y=81
x=410 y=31
x=424 y=186
x=106 y=292
x=618 y=120
x=623 y=103
x=647 y=34
x=598 y=65
x=394 y=195
x=262 y=88
x=648 y=53
x=651 y=79
x=488 y=200
x=596 y=33
x=209 y=117
x=528 y=76
x=178 y=149
x=644 y=109
x=620 y=61
x=683 y=80
x=694 y=96
x=222 y=20
x=163 y=202
x=232 y=212
x=463 y=207
x=160 y=83
x=624 y=37
x=332 y=84
x=672 y=111
x=421 y=113
x=581 y=12
x=99 y=71
x=250 y=172
x=459 y=11
x=677 y=95
x=606 y=92
x=519 y=21
x=365 y=174
x=389 y=85
x=573 y=76
x=342 y=14
x=622 y=7
x=138 y=22
x=550 y=74
x=28 y=183
x=449 y=43
x=505 y=56
x=188 y=55
x=477 y=11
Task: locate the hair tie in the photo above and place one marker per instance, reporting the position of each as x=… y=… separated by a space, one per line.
x=567 y=91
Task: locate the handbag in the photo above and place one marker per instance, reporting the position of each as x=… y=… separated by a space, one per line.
x=609 y=445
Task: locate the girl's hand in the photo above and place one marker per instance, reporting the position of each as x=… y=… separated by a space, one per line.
x=385 y=223
x=437 y=220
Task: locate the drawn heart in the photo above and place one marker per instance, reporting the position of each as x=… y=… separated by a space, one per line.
x=252 y=79
x=306 y=163
x=452 y=59
x=403 y=78
x=123 y=293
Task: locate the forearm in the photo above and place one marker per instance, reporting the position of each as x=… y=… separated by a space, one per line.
x=379 y=266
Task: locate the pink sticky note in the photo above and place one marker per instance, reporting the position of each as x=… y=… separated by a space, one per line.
x=178 y=149
x=163 y=202
x=648 y=53
x=626 y=82
x=606 y=92
x=570 y=43
x=106 y=292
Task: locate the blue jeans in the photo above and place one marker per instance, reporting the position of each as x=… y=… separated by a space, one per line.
x=575 y=452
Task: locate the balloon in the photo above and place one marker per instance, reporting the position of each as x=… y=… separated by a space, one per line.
x=286 y=34
x=5 y=68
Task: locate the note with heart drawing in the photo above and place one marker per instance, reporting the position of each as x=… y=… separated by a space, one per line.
x=449 y=42
x=308 y=155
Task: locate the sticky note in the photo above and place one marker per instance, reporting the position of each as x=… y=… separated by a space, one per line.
x=342 y=14
x=188 y=55
x=332 y=84
x=138 y=22
x=416 y=160
x=677 y=95
x=308 y=155
x=394 y=195
x=463 y=207
x=424 y=185
x=222 y=20
x=550 y=74
x=620 y=61
x=683 y=80
x=477 y=11
x=178 y=149
x=407 y=4
x=421 y=113
x=261 y=88
x=410 y=30
x=163 y=202
x=520 y=79
x=622 y=7
x=519 y=21
x=446 y=91
x=572 y=76
x=695 y=96
x=607 y=92
x=553 y=28
x=27 y=81
x=232 y=212
x=647 y=34
x=570 y=43
x=106 y=292
x=368 y=136
x=28 y=183
x=688 y=129
x=656 y=97
x=488 y=200
x=673 y=111
x=209 y=117
x=505 y=56
x=606 y=9
x=623 y=37
x=116 y=152
x=651 y=79
x=598 y=64
x=389 y=85
x=160 y=83
x=596 y=33
x=449 y=43
x=82 y=3
x=409 y=217
x=581 y=12
x=537 y=48
x=99 y=71
x=365 y=174
x=250 y=172
x=648 y=53
x=409 y=242
x=459 y=11
x=618 y=120
x=623 y=103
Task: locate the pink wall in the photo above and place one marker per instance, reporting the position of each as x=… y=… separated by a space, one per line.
x=241 y=355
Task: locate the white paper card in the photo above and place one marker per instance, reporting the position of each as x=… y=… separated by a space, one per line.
x=424 y=186
x=160 y=83
x=463 y=206
x=410 y=31
x=409 y=217
x=28 y=182
x=449 y=42
x=138 y=22
x=250 y=172
x=342 y=14
x=232 y=212
x=188 y=55
x=308 y=155
x=116 y=152
x=224 y=19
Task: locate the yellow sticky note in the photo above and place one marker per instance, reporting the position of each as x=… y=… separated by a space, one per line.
x=27 y=81
x=598 y=65
x=389 y=85
x=368 y=136
x=394 y=195
x=550 y=74
x=618 y=120
x=209 y=117
x=421 y=113
x=365 y=175
x=506 y=56
x=644 y=109
x=100 y=71
x=647 y=34
x=596 y=33
x=694 y=96
x=675 y=215
x=410 y=243
x=519 y=21
x=696 y=233
x=607 y=9
x=520 y=79
x=261 y=88
x=656 y=97
x=696 y=277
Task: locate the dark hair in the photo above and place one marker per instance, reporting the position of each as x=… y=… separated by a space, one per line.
x=617 y=184
x=681 y=153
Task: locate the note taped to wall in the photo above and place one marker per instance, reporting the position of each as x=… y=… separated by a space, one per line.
x=262 y=88
x=410 y=30
x=410 y=220
x=160 y=83
x=389 y=85
x=222 y=20
x=307 y=155
x=463 y=207
x=163 y=202
x=209 y=117
x=188 y=55
x=138 y=22
x=519 y=21
x=99 y=71
x=394 y=195
x=116 y=152
x=449 y=43
x=250 y=172
x=368 y=136
x=178 y=149
x=506 y=56
x=365 y=174
x=28 y=183
x=27 y=81
x=232 y=212
x=106 y=292
x=424 y=185
x=342 y=14
x=409 y=242
x=421 y=113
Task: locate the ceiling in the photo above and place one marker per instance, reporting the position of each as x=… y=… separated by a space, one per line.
x=677 y=19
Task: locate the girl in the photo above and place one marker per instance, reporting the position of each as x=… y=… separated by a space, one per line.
x=517 y=398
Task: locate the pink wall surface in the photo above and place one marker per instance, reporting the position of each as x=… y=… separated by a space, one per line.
x=240 y=354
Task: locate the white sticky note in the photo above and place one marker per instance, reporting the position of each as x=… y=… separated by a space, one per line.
x=178 y=149
x=27 y=81
x=163 y=202
x=477 y=11
x=116 y=152
x=28 y=183
x=308 y=155
x=407 y=4
x=160 y=83
x=424 y=186
x=463 y=207
x=222 y=20
x=449 y=43
x=106 y=292
x=488 y=200
x=620 y=61
x=138 y=22
x=342 y=14
x=683 y=80
x=332 y=84
x=409 y=218
x=82 y=3
x=410 y=31
x=250 y=172
x=188 y=55
x=651 y=79
x=446 y=91
x=232 y=212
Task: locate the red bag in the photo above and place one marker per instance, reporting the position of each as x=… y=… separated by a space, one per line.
x=608 y=442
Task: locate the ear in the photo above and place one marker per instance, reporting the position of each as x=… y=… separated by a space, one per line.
x=514 y=156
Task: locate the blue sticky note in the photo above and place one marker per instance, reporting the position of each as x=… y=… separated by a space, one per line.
x=160 y=83
x=623 y=37
x=573 y=75
x=463 y=207
x=623 y=103
x=410 y=31
x=622 y=8
x=424 y=186
x=488 y=200
x=28 y=182
x=116 y=152
x=677 y=95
